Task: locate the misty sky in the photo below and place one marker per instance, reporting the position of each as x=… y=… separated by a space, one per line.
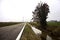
x=19 y=10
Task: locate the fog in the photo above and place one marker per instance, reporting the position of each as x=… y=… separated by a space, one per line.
x=21 y=10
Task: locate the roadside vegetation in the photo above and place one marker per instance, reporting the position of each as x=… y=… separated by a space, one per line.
x=34 y=24
x=28 y=34
x=2 y=24
x=53 y=27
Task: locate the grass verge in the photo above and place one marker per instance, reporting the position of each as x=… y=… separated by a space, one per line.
x=28 y=34
x=34 y=24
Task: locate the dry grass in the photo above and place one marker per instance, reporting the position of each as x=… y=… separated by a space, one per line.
x=28 y=34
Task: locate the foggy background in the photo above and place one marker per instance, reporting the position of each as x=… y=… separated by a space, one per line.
x=21 y=10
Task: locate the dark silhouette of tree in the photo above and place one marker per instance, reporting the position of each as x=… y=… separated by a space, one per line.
x=41 y=13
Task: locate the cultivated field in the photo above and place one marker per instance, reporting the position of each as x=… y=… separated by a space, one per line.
x=2 y=24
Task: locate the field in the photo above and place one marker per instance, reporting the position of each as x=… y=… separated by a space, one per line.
x=2 y=24
x=48 y=23
x=53 y=23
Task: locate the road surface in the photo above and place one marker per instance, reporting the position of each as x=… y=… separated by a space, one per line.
x=10 y=32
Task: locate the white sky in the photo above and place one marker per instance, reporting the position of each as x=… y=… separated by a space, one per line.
x=17 y=10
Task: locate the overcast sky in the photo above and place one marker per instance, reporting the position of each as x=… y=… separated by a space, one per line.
x=19 y=10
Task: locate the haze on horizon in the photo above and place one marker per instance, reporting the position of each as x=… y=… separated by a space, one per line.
x=21 y=10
